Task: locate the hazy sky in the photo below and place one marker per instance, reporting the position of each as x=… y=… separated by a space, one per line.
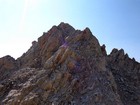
x=115 y=23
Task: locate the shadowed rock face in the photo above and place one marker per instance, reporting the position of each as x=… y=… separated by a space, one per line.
x=69 y=67
x=126 y=72
x=7 y=66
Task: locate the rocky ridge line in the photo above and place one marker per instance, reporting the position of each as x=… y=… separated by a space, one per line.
x=69 y=67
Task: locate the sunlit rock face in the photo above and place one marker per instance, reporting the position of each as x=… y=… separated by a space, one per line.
x=68 y=67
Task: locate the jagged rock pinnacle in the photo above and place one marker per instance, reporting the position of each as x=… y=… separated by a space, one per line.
x=69 y=67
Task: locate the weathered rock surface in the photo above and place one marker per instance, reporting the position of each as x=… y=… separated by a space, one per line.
x=69 y=67
x=7 y=66
x=126 y=72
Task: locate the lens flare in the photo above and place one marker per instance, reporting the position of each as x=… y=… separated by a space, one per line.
x=27 y=5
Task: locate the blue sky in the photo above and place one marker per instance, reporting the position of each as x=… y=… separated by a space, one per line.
x=115 y=23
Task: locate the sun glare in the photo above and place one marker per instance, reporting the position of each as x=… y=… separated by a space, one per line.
x=31 y=2
x=27 y=5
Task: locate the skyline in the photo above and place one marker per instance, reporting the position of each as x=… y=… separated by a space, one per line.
x=115 y=23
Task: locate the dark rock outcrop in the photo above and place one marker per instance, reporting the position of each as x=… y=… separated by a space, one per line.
x=7 y=66
x=126 y=72
x=69 y=67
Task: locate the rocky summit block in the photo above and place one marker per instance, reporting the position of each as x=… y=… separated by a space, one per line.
x=69 y=67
